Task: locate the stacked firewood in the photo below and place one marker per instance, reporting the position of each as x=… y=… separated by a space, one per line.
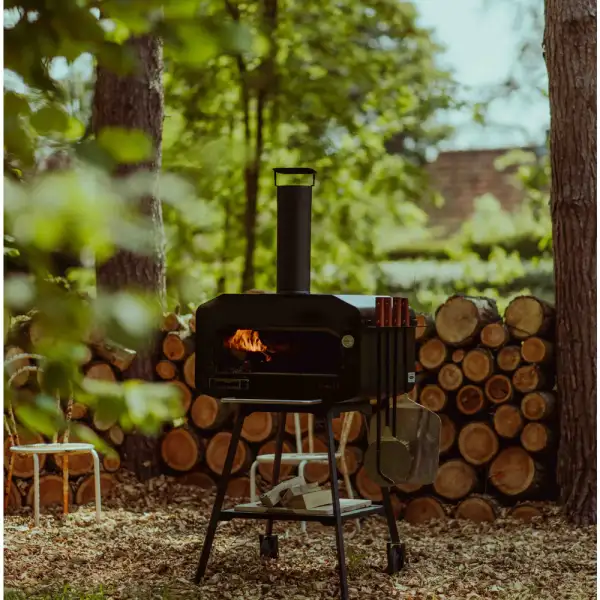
x=101 y=359
x=491 y=380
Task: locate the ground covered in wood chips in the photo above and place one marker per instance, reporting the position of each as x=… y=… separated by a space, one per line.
x=150 y=550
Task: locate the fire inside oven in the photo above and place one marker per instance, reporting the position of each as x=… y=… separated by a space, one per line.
x=279 y=351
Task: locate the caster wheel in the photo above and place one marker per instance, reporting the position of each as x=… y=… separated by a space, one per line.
x=396 y=557
x=269 y=547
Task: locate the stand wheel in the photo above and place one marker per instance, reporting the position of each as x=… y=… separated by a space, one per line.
x=396 y=557
x=269 y=546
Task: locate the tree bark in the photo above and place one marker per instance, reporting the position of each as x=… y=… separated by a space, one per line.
x=135 y=101
x=570 y=46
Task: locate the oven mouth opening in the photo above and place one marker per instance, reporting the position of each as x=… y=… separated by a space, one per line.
x=283 y=352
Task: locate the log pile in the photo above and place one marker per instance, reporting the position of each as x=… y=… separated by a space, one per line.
x=490 y=379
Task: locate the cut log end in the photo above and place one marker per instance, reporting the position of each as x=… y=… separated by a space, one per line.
x=535 y=437
x=356 y=430
x=455 y=479
x=100 y=370
x=477 y=443
x=478 y=364
x=408 y=488
x=216 y=453
x=450 y=377
x=290 y=426
x=78 y=411
x=209 y=413
x=508 y=421
x=198 y=479
x=23 y=463
x=165 y=369
x=425 y=326
x=238 y=488
x=470 y=400
x=527 y=316
x=173 y=347
x=513 y=471
x=528 y=378
x=447 y=434
x=189 y=370
x=423 y=510
x=116 y=435
x=314 y=472
x=266 y=469
x=185 y=394
x=111 y=462
x=51 y=491
x=85 y=490
x=15 y=499
x=538 y=405
x=494 y=335
x=477 y=509
x=526 y=512
x=458 y=355
x=366 y=487
x=433 y=397
x=21 y=379
x=498 y=389
x=508 y=358
x=258 y=427
x=461 y=318
x=353 y=458
x=78 y=464
x=536 y=350
x=433 y=354
x=180 y=449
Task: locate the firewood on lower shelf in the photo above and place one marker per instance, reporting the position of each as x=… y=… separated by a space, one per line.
x=181 y=449
x=478 y=364
x=448 y=433
x=86 y=492
x=165 y=369
x=508 y=358
x=498 y=389
x=477 y=443
x=450 y=377
x=477 y=508
x=470 y=400
x=514 y=472
x=366 y=487
x=209 y=413
x=536 y=437
x=433 y=397
x=433 y=354
x=266 y=469
x=536 y=350
x=238 y=488
x=23 y=463
x=273 y=497
x=51 y=491
x=455 y=479
x=216 y=453
x=259 y=426
x=460 y=319
x=308 y=500
x=494 y=335
x=527 y=316
x=423 y=510
x=508 y=421
x=530 y=378
x=537 y=406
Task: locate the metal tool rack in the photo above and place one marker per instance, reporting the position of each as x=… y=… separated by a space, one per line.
x=268 y=541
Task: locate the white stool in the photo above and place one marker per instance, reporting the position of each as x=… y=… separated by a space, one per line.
x=67 y=448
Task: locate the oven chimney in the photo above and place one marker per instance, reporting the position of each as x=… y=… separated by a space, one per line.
x=294 y=206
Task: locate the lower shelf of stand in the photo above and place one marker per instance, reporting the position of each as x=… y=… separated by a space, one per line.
x=280 y=515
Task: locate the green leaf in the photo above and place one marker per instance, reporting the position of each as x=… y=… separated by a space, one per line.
x=126 y=146
x=50 y=119
x=87 y=436
x=43 y=416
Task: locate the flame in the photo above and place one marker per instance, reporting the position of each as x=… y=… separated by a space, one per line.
x=248 y=341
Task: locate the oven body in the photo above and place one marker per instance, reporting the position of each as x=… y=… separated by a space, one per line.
x=295 y=347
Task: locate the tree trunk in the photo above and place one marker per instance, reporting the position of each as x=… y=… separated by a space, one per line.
x=135 y=101
x=570 y=44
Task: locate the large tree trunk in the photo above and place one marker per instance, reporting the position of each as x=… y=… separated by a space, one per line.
x=135 y=101
x=570 y=42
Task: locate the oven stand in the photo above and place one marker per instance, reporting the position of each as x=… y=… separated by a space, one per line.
x=268 y=541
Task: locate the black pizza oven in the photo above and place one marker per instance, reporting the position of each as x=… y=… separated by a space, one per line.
x=296 y=345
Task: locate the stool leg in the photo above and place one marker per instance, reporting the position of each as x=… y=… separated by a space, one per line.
x=36 y=490
x=301 y=466
x=98 y=491
x=221 y=489
x=253 y=494
x=337 y=513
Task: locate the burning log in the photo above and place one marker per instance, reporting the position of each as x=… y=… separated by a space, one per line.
x=216 y=453
x=498 y=389
x=460 y=319
x=513 y=472
x=537 y=406
x=478 y=364
x=165 y=369
x=495 y=335
x=450 y=377
x=508 y=421
x=209 y=413
x=508 y=358
x=259 y=426
x=470 y=400
x=433 y=354
x=423 y=510
x=477 y=443
x=536 y=350
x=527 y=316
x=51 y=491
x=477 y=508
x=455 y=479
x=433 y=397
x=181 y=449
x=266 y=469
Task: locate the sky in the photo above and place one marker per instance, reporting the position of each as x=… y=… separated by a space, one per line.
x=482 y=42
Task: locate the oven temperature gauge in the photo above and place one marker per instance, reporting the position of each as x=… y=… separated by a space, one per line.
x=348 y=341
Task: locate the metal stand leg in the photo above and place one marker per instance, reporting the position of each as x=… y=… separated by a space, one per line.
x=98 y=490
x=269 y=547
x=337 y=513
x=221 y=489
x=396 y=551
x=36 y=490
